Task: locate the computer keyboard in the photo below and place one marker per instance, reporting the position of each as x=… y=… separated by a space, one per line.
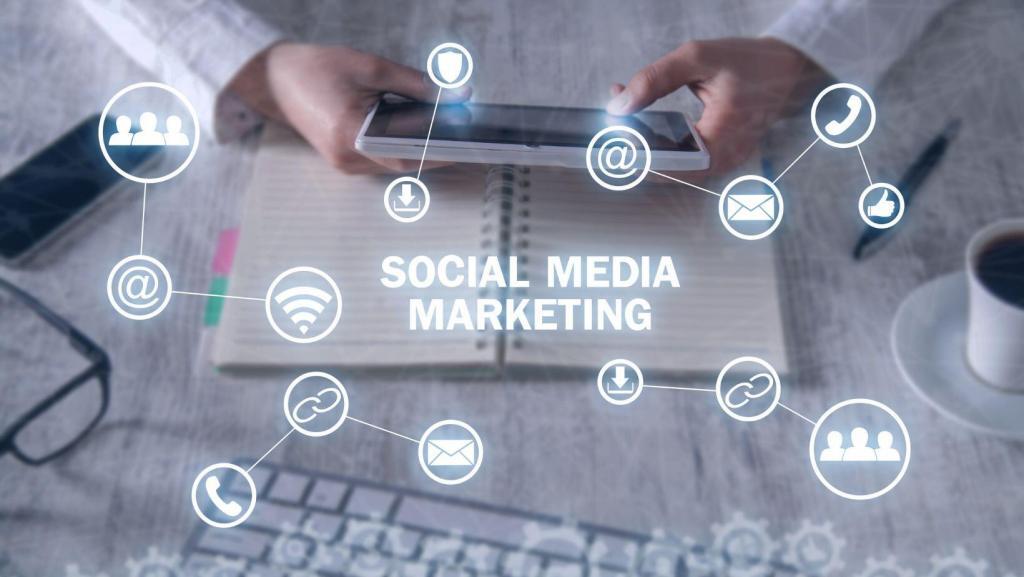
x=309 y=524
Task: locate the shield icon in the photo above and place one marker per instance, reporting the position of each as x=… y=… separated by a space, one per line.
x=449 y=65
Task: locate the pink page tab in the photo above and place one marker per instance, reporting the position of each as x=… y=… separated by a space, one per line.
x=225 y=255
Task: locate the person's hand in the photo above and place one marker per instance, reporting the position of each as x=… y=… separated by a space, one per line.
x=745 y=84
x=325 y=92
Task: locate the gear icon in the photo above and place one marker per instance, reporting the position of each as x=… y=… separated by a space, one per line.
x=155 y=564
x=885 y=568
x=566 y=539
x=814 y=549
x=291 y=548
x=72 y=570
x=957 y=565
x=742 y=547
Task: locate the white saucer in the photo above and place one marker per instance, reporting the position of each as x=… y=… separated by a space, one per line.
x=928 y=339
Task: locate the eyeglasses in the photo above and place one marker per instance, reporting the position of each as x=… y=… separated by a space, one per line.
x=43 y=433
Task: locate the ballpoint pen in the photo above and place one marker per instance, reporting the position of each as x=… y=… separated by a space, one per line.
x=909 y=184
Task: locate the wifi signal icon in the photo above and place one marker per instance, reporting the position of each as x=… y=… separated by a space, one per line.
x=308 y=309
x=303 y=304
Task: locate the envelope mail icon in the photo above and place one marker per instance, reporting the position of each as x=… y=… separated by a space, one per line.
x=451 y=453
x=747 y=207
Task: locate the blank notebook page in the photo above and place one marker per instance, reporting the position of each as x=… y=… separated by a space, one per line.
x=299 y=211
x=727 y=304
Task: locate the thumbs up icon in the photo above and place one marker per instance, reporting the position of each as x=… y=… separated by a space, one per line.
x=884 y=208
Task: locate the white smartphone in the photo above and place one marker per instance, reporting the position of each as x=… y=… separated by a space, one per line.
x=529 y=135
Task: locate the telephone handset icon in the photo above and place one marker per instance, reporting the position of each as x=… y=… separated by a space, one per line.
x=229 y=508
x=837 y=127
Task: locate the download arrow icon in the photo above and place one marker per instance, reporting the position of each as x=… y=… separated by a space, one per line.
x=620 y=379
x=406 y=196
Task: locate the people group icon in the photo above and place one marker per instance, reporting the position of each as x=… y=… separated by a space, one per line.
x=148 y=134
x=859 y=451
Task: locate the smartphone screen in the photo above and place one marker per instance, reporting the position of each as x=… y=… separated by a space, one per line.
x=53 y=186
x=524 y=125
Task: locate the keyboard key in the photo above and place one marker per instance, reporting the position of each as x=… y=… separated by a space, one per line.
x=614 y=552
x=373 y=503
x=264 y=571
x=260 y=478
x=472 y=523
x=481 y=558
x=323 y=526
x=449 y=571
x=661 y=556
x=703 y=564
x=441 y=550
x=289 y=487
x=563 y=569
x=326 y=495
x=401 y=542
x=409 y=569
x=198 y=563
x=564 y=541
x=276 y=517
x=362 y=534
x=520 y=564
x=234 y=542
x=369 y=564
x=330 y=559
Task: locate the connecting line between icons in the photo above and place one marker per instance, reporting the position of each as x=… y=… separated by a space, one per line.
x=142 y=232
x=690 y=184
x=219 y=296
x=784 y=406
x=382 y=429
x=707 y=390
x=429 y=130
x=679 y=388
x=797 y=159
x=347 y=418
x=865 y=165
x=270 y=450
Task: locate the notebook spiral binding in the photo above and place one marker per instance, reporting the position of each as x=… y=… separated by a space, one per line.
x=519 y=229
x=494 y=239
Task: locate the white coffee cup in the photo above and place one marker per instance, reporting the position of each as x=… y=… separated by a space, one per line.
x=995 y=327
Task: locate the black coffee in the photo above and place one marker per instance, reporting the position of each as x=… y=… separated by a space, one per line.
x=1001 y=268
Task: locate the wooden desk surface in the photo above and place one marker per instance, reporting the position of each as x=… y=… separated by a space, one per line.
x=676 y=461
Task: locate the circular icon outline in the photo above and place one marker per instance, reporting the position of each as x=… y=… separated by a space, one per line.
x=297 y=425
x=195 y=125
x=268 y=303
x=812 y=453
x=639 y=382
x=864 y=216
x=632 y=132
x=110 y=287
x=476 y=439
x=814 y=115
x=241 y=518
x=724 y=197
x=725 y=405
x=426 y=199
x=469 y=65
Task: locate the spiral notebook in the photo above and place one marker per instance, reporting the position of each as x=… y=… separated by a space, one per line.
x=300 y=211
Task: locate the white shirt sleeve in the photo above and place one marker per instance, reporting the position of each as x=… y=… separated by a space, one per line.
x=855 y=40
x=197 y=47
